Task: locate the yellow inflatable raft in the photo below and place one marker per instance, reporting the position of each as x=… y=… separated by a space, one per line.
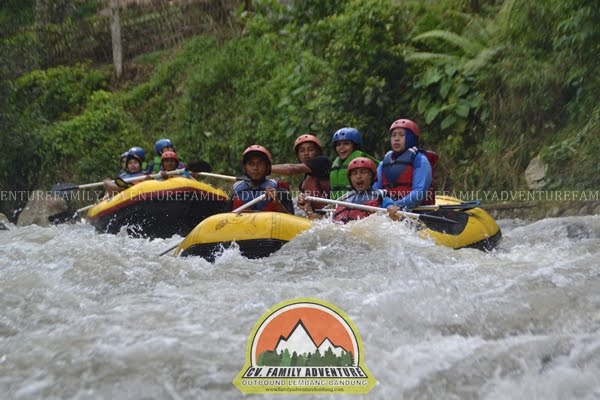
x=262 y=233
x=156 y=208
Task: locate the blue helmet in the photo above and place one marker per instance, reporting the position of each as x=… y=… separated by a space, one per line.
x=137 y=152
x=351 y=134
x=161 y=144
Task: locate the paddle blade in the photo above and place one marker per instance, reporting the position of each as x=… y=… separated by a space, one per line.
x=122 y=184
x=459 y=221
x=199 y=166
x=64 y=187
x=63 y=217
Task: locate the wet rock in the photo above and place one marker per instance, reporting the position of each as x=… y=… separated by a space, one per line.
x=40 y=208
x=535 y=174
x=3 y=222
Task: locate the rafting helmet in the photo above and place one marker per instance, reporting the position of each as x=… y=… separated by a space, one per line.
x=363 y=162
x=306 y=139
x=351 y=134
x=411 y=131
x=258 y=149
x=169 y=155
x=138 y=153
x=161 y=144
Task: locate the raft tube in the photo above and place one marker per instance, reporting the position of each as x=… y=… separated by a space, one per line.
x=258 y=234
x=475 y=228
x=159 y=209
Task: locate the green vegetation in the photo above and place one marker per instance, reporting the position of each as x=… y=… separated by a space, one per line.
x=492 y=84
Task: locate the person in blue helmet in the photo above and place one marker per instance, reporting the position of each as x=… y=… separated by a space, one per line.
x=133 y=167
x=161 y=146
x=406 y=172
x=347 y=143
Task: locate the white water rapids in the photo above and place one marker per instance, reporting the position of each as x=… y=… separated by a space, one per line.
x=94 y=316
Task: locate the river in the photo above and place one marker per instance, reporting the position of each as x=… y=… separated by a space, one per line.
x=88 y=316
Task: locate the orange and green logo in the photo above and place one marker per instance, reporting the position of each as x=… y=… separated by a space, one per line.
x=304 y=346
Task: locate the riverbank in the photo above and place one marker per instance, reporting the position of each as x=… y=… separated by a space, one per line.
x=535 y=210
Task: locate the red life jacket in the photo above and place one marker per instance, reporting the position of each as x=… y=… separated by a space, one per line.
x=317 y=187
x=397 y=174
x=345 y=214
x=243 y=192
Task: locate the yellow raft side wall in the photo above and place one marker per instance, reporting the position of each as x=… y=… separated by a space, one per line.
x=479 y=227
x=153 y=186
x=257 y=225
x=270 y=225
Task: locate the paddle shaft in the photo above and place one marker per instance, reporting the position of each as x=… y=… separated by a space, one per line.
x=377 y=209
x=211 y=175
x=465 y=205
x=131 y=179
x=237 y=210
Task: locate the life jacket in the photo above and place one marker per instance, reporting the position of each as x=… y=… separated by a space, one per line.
x=369 y=198
x=338 y=177
x=397 y=174
x=243 y=192
x=318 y=187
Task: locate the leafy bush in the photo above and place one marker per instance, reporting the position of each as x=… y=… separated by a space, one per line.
x=88 y=147
x=57 y=93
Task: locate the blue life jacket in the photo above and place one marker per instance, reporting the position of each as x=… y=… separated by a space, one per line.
x=243 y=192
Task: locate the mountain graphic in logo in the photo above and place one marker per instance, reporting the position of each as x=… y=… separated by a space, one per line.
x=301 y=342
x=298 y=348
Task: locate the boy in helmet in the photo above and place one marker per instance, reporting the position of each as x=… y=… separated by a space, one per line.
x=347 y=143
x=406 y=170
x=362 y=173
x=256 y=163
x=133 y=167
x=170 y=162
x=313 y=164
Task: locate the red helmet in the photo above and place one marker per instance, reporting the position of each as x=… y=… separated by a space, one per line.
x=256 y=148
x=305 y=139
x=169 y=155
x=363 y=162
x=406 y=124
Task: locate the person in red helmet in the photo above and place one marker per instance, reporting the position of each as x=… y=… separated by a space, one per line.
x=313 y=164
x=406 y=172
x=362 y=173
x=169 y=161
x=256 y=163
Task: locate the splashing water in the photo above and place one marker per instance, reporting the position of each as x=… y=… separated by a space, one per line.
x=87 y=315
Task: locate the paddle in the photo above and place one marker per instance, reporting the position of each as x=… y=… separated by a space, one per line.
x=237 y=210
x=67 y=216
x=465 y=205
x=363 y=207
x=65 y=187
x=225 y=177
